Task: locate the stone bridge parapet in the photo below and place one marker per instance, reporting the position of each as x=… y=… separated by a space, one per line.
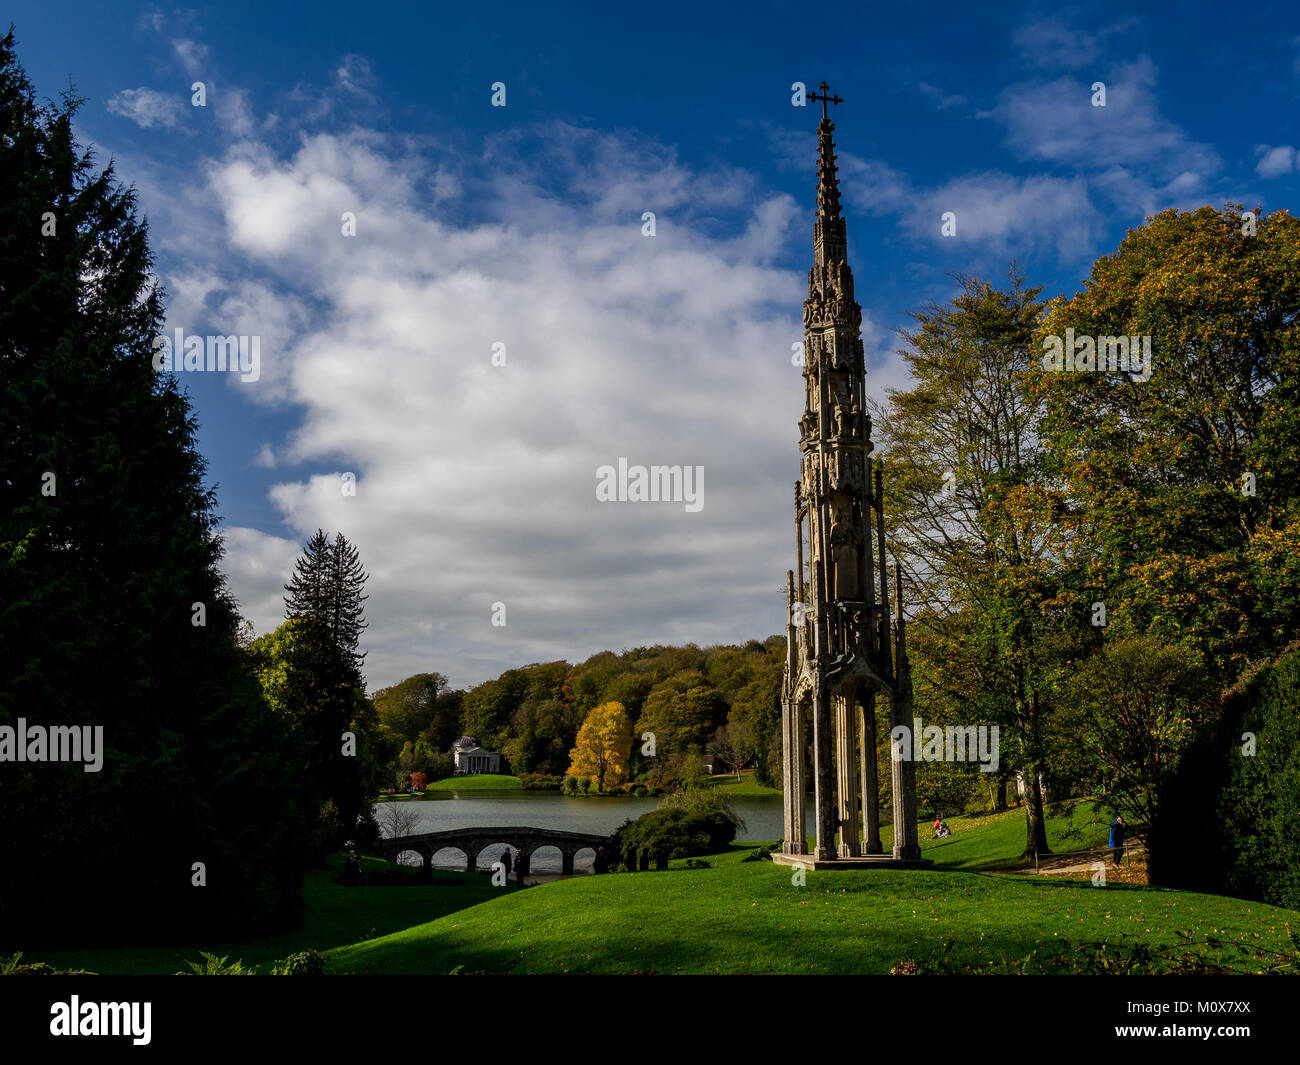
x=473 y=841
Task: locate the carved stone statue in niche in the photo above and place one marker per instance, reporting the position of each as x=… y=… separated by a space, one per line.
x=855 y=421
x=858 y=622
x=839 y=420
x=848 y=471
x=808 y=425
x=844 y=539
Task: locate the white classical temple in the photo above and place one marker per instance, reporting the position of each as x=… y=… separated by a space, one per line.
x=471 y=758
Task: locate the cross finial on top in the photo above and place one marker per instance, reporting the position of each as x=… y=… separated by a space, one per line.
x=825 y=97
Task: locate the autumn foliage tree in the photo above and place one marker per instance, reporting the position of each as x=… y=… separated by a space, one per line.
x=604 y=747
x=683 y=712
x=1186 y=485
x=976 y=522
x=1135 y=707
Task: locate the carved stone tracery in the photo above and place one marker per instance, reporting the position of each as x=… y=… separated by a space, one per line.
x=839 y=652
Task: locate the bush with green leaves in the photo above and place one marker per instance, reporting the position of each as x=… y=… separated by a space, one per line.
x=304 y=963
x=1259 y=809
x=15 y=966
x=211 y=965
x=1235 y=800
x=686 y=824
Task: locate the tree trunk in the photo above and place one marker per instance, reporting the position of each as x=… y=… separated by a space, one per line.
x=1000 y=802
x=1035 y=828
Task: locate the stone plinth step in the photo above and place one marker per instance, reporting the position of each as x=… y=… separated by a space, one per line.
x=867 y=861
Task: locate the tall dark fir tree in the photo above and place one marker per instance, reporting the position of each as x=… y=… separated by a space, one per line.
x=113 y=613
x=327 y=587
x=324 y=599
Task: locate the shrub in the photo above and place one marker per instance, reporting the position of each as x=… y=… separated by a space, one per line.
x=214 y=966
x=698 y=863
x=15 y=966
x=1236 y=813
x=1260 y=806
x=703 y=801
x=306 y=963
x=686 y=824
x=639 y=791
x=569 y=786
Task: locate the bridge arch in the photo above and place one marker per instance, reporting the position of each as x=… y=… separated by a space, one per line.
x=546 y=851
x=434 y=852
x=409 y=853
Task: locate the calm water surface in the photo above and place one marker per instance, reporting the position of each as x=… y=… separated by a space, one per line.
x=549 y=809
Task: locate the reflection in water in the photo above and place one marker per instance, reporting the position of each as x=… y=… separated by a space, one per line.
x=548 y=809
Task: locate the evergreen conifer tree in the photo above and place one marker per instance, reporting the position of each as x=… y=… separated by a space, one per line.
x=113 y=613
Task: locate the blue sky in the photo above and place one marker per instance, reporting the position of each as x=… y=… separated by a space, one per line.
x=521 y=225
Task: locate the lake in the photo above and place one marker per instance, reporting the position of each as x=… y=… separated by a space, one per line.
x=440 y=811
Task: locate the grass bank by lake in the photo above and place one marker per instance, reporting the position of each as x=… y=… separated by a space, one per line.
x=729 y=785
x=333 y=916
x=476 y=782
x=744 y=917
x=751 y=917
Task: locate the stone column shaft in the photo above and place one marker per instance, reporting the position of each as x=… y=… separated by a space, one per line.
x=870 y=788
x=798 y=787
x=847 y=771
x=824 y=773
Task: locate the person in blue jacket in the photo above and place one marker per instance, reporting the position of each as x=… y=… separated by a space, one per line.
x=1117 y=839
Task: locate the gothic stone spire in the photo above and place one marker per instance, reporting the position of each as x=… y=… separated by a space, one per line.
x=838 y=639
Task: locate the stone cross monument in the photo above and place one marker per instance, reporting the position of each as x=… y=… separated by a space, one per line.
x=843 y=649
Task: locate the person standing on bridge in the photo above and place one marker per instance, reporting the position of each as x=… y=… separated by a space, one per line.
x=507 y=860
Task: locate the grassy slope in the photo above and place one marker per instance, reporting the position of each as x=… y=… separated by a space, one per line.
x=729 y=785
x=481 y=782
x=996 y=841
x=734 y=917
x=333 y=916
x=748 y=917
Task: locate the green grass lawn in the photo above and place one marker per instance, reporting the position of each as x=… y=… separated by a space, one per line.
x=997 y=841
x=333 y=916
x=741 y=917
x=479 y=782
x=729 y=785
x=750 y=918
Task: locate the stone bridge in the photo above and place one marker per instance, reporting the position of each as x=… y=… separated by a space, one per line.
x=472 y=841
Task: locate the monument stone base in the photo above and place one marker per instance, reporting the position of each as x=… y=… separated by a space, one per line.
x=867 y=861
